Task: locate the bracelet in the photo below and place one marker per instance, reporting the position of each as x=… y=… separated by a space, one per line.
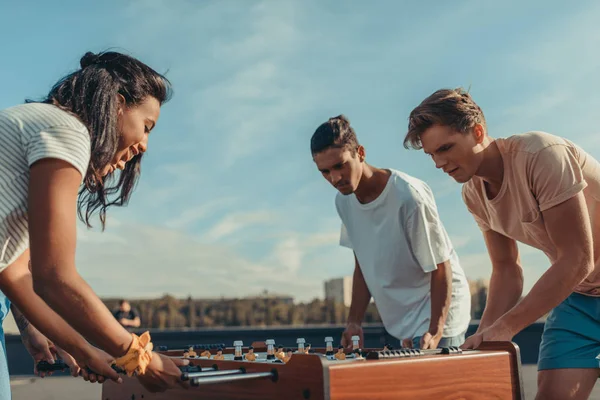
x=138 y=356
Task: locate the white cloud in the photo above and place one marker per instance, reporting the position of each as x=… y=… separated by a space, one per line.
x=288 y=254
x=193 y=214
x=235 y=222
x=476 y=265
x=149 y=261
x=460 y=241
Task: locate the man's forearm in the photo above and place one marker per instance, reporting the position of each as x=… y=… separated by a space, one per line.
x=361 y=296
x=506 y=287
x=441 y=297
x=76 y=302
x=554 y=286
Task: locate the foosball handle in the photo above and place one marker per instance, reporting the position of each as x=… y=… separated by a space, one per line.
x=45 y=366
x=60 y=365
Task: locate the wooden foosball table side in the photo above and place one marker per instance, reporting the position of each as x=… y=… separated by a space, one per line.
x=301 y=378
x=491 y=372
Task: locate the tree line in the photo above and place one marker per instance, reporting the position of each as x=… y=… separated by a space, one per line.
x=169 y=312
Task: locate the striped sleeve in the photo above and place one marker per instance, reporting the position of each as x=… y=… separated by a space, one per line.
x=61 y=142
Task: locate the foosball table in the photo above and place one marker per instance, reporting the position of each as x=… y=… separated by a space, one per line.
x=264 y=371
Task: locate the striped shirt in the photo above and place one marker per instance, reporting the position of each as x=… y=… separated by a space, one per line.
x=28 y=133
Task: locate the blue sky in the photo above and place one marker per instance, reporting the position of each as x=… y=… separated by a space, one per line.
x=230 y=202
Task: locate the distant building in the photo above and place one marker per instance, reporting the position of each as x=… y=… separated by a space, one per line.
x=339 y=290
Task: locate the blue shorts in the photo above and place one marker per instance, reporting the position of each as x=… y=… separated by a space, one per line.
x=571 y=337
x=4 y=376
x=451 y=341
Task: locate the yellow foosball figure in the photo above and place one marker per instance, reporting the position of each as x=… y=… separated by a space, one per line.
x=206 y=354
x=250 y=356
x=280 y=353
x=340 y=355
x=219 y=355
x=189 y=353
x=288 y=355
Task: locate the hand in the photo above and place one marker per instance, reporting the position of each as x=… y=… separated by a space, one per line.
x=124 y=321
x=40 y=348
x=429 y=341
x=69 y=360
x=163 y=373
x=497 y=332
x=96 y=366
x=351 y=330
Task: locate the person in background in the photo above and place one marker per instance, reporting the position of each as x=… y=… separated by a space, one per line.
x=127 y=316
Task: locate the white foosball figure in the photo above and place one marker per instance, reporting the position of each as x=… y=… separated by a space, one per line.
x=270 y=349
x=238 y=350
x=355 y=346
x=355 y=342
x=329 y=346
x=300 y=342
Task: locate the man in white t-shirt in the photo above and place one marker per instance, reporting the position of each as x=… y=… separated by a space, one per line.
x=403 y=256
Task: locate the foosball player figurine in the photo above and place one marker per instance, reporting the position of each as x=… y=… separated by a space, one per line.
x=206 y=353
x=219 y=355
x=190 y=353
x=388 y=347
x=280 y=353
x=340 y=355
x=307 y=348
x=238 y=350
x=300 y=342
x=288 y=355
x=358 y=354
x=328 y=346
x=355 y=344
x=250 y=356
x=270 y=349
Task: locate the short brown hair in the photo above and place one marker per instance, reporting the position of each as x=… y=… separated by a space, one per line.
x=335 y=133
x=448 y=107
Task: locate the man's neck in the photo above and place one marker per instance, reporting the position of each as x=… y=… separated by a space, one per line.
x=371 y=184
x=491 y=169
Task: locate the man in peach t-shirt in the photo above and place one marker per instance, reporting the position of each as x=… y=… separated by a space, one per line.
x=541 y=190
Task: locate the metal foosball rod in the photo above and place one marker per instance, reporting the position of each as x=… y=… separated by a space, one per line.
x=232 y=378
x=186 y=375
x=210 y=373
